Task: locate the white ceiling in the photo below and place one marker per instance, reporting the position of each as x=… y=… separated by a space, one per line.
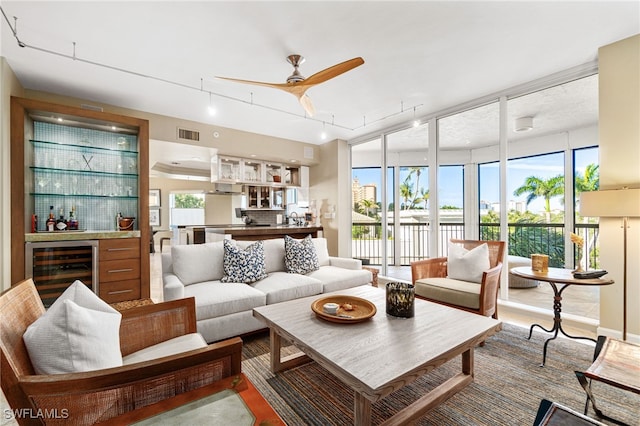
x=424 y=54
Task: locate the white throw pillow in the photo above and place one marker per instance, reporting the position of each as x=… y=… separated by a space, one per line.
x=468 y=265
x=322 y=251
x=79 y=332
x=196 y=263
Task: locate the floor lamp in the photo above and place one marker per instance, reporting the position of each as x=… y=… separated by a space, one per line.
x=622 y=203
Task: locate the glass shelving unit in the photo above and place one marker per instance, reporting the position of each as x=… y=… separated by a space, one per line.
x=92 y=171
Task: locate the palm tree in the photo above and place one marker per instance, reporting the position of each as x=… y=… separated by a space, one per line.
x=547 y=189
x=417 y=171
x=590 y=181
x=423 y=198
x=406 y=192
x=368 y=205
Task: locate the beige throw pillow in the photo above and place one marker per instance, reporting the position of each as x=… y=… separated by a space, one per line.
x=468 y=265
x=79 y=332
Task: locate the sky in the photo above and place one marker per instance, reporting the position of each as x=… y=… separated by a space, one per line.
x=451 y=178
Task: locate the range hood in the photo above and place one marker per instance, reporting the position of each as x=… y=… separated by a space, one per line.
x=226 y=189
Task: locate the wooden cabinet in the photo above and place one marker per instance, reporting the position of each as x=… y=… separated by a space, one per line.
x=259 y=197
x=119 y=265
x=94 y=161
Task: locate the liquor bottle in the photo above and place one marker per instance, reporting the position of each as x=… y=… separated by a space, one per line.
x=61 y=224
x=118 y=217
x=51 y=222
x=34 y=223
x=73 y=222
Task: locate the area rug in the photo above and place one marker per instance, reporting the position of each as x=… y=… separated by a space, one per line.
x=508 y=387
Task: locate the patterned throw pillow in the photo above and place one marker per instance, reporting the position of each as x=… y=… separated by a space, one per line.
x=300 y=256
x=243 y=266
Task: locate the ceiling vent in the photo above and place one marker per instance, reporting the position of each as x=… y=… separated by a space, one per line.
x=188 y=135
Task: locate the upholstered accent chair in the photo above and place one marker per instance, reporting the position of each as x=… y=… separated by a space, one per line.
x=434 y=281
x=95 y=396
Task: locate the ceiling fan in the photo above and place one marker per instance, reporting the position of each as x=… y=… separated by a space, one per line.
x=297 y=85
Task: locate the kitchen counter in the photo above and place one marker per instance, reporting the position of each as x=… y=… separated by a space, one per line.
x=258 y=232
x=268 y=232
x=79 y=235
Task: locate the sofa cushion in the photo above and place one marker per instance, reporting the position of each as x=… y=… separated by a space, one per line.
x=79 y=332
x=334 y=278
x=273 y=253
x=196 y=263
x=322 y=251
x=467 y=265
x=300 y=255
x=184 y=343
x=215 y=298
x=243 y=266
x=455 y=292
x=283 y=286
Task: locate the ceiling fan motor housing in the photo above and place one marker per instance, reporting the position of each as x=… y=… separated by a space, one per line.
x=295 y=60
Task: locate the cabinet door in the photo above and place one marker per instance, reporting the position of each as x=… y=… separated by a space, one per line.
x=119 y=291
x=253 y=171
x=273 y=173
x=119 y=270
x=226 y=169
x=119 y=248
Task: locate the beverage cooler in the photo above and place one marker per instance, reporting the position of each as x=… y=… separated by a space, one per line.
x=54 y=266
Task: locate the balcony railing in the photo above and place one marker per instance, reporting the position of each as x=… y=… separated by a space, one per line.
x=524 y=240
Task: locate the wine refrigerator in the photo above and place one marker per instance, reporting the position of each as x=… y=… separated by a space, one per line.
x=54 y=266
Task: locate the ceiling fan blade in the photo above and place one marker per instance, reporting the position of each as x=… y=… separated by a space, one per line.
x=331 y=72
x=282 y=86
x=305 y=101
x=299 y=88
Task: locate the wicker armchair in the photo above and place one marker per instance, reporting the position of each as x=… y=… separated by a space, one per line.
x=482 y=300
x=95 y=396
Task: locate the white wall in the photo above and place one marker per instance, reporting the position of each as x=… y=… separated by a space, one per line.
x=619 y=69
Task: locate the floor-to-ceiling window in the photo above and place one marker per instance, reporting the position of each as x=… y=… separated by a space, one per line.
x=367 y=235
x=523 y=156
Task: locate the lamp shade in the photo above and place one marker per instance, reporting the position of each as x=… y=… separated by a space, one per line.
x=611 y=203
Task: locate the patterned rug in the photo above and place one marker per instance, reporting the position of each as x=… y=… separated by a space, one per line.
x=509 y=384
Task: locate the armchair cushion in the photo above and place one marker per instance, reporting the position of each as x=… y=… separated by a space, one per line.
x=169 y=347
x=468 y=265
x=80 y=332
x=450 y=291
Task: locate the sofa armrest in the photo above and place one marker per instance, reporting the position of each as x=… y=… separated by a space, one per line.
x=345 y=262
x=172 y=287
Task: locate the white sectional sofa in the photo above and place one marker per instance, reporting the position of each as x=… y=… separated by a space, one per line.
x=224 y=309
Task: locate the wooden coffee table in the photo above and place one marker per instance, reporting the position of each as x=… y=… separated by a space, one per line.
x=381 y=355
